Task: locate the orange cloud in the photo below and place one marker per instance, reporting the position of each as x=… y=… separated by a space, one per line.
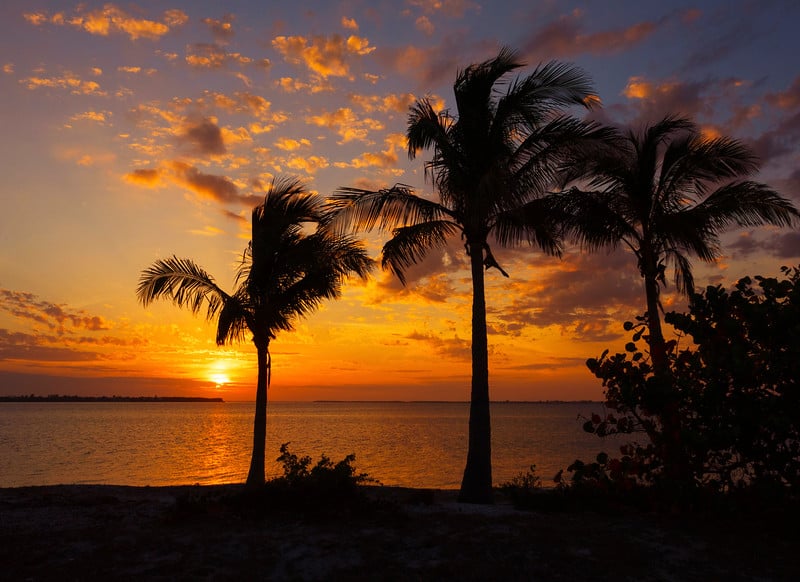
x=221 y=29
x=149 y=178
x=385 y=159
x=210 y=186
x=325 y=56
x=308 y=164
x=638 y=88
x=112 y=19
x=349 y=23
x=98 y=116
x=8 y=68
x=398 y=103
x=424 y=24
x=291 y=145
x=213 y=56
x=789 y=99
x=68 y=80
x=346 y=124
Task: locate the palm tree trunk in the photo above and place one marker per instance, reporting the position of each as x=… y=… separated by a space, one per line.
x=676 y=467
x=658 y=348
x=256 y=476
x=476 y=486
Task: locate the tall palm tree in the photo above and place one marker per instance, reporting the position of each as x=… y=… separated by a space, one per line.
x=667 y=193
x=491 y=165
x=286 y=272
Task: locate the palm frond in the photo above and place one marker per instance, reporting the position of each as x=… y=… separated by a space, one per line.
x=550 y=88
x=235 y=320
x=387 y=209
x=596 y=219
x=684 y=279
x=409 y=244
x=746 y=203
x=539 y=222
x=426 y=128
x=182 y=281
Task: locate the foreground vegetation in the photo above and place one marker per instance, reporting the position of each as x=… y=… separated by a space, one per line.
x=738 y=411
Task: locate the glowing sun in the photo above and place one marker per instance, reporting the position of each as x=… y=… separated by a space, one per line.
x=220 y=379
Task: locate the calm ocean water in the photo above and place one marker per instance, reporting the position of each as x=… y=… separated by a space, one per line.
x=407 y=444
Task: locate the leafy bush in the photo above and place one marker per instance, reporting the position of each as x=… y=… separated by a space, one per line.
x=523 y=487
x=326 y=478
x=736 y=389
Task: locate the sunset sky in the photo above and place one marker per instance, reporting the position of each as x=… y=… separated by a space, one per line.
x=132 y=131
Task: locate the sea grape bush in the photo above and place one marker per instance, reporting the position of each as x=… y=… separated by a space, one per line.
x=326 y=481
x=736 y=388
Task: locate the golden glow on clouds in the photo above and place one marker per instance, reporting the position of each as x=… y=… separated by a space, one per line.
x=68 y=81
x=346 y=124
x=112 y=19
x=326 y=56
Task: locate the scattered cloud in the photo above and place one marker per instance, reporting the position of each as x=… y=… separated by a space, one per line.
x=111 y=19
x=326 y=56
x=568 y=36
x=346 y=124
x=210 y=186
x=215 y=56
x=789 y=99
x=222 y=29
x=56 y=317
x=453 y=348
x=424 y=24
x=451 y=8
x=203 y=136
x=68 y=81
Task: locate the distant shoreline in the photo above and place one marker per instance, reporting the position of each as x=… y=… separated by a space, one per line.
x=60 y=398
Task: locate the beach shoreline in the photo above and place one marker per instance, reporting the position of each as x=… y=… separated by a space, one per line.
x=83 y=532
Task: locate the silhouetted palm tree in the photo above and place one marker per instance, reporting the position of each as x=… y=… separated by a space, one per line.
x=285 y=273
x=491 y=166
x=667 y=193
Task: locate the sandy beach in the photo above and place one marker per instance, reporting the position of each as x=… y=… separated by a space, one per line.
x=94 y=532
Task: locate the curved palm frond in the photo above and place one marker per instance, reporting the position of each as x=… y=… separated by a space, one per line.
x=556 y=154
x=182 y=281
x=746 y=203
x=474 y=85
x=409 y=244
x=426 y=127
x=550 y=87
x=684 y=280
x=539 y=222
x=387 y=209
x=235 y=319
x=597 y=219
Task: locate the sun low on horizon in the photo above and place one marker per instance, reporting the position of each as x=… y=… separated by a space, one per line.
x=134 y=132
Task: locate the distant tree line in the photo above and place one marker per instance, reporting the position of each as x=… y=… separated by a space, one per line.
x=66 y=398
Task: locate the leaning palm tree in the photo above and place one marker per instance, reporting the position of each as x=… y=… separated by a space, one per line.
x=667 y=193
x=286 y=272
x=491 y=165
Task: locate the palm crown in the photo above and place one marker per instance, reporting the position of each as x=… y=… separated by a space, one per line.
x=667 y=193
